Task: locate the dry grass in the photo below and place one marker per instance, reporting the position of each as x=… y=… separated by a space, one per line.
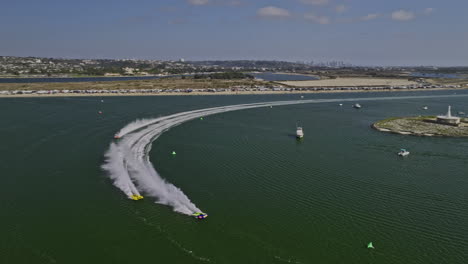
x=166 y=83
x=442 y=81
x=349 y=82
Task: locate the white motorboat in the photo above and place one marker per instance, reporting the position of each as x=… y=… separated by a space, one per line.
x=299 y=132
x=403 y=153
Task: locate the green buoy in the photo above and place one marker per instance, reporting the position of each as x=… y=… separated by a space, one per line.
x=370 y=246
x=173 y=153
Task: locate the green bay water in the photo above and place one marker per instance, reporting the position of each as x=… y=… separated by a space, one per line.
x=270 y=198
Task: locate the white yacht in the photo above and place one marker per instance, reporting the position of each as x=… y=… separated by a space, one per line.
x=357 y=106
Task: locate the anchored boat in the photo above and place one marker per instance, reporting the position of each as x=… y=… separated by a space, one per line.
x=299 y=132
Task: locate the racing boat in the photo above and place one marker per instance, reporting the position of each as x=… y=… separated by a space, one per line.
x=136 y=197
x=200 y=215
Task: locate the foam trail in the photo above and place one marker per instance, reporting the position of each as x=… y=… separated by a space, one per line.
x=134 y=126
x=127 y=160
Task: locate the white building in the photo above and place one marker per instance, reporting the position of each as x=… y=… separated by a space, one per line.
x=448 y=119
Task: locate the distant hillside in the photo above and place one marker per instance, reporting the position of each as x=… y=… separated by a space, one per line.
x=252 y=64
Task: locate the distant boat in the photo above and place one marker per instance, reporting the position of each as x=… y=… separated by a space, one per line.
x=425 y=107
x=299 y=132
x=357 y=106
x=403 y=153
x=461 y=113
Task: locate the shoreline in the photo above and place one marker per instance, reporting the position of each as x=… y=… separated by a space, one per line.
x=352 y=82
x=229 y=93
x=425 y=126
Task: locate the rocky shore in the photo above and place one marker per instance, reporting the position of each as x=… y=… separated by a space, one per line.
x=421 y=126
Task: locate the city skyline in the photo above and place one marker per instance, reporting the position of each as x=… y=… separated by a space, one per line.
x=365 y=33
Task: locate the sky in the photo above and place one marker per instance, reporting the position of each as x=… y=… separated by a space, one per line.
x=361 y=32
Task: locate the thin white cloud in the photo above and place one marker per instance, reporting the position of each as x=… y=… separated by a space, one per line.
x=323 y=20
x=315 y=2
x=369 y=17
x=235 y=3
x=215 y=2
x=273 y=12
x=340 y=9
x=402 y=15
x=428 y=11
x=177 y=21
x=198 y=2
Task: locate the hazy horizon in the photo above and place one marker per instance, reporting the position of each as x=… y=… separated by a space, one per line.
x=364 y=33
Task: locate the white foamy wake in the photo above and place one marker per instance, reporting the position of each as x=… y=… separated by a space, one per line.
x=127 y=160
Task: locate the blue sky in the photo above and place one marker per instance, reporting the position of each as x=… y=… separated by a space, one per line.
x=364 y=32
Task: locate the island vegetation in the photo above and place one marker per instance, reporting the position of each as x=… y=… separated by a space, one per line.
x=232 y=75
x=173 y=84
x=421 y=126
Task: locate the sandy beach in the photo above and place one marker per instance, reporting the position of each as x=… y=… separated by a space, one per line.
x=350 y=82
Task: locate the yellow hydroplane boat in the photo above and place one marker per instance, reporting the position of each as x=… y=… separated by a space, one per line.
x=136 y=197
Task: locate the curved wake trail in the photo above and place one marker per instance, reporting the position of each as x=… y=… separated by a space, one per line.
x=127 y=160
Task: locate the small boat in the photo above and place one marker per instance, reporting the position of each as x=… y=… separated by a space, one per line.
x=136 y=197
x=299 y=132
x=403 y=153
x=357 y=106
x=200 y=215
x=425 y=107
x=461 y=113
x=116 y=136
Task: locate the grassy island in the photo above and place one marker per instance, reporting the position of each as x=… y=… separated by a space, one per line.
x=421 y=126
